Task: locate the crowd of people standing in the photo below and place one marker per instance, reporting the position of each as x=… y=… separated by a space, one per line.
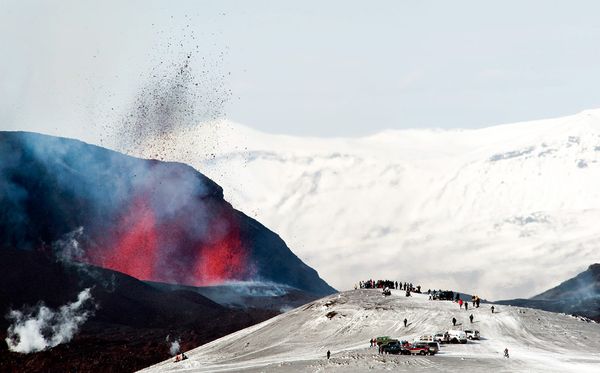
x=382 y=284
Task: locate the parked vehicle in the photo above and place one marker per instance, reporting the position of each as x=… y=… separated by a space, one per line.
x=432 y=347
x=419 y=349
x=392 y=347
x=442 y=295
x=397 y=347
x=457 y=336
x=425 y=338
x=382 y=340
x=472 y=334
x=439 y=337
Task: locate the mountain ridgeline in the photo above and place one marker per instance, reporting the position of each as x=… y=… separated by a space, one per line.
x=156 y=221
x=579 y=295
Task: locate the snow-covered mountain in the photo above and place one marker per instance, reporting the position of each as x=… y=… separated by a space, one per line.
x=506 y=211
x=297 y=341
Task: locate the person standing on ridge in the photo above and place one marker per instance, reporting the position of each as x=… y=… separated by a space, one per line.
x=492 y=309
x=466 y=306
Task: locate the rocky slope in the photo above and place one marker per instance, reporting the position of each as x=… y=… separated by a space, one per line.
x=130 y=324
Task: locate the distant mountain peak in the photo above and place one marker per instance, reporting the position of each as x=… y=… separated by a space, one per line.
x=595 y=269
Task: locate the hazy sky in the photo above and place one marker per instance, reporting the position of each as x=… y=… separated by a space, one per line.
x=335 y=68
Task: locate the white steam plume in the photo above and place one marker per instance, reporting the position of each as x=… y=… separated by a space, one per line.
x=175 y=346
x=69 y=247
x=44 y=328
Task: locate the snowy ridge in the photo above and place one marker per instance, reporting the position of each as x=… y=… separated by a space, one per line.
x=507 y=211
x=298 y=340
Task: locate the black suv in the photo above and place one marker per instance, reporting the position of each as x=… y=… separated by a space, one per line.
x=395 y=347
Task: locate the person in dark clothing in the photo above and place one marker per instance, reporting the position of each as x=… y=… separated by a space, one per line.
x=477 y=301
x=328 y=354
x=466 y=306
x=471 y=318
x=492 y=309
x=454 y=321
x=405 y=322
x=506 y=353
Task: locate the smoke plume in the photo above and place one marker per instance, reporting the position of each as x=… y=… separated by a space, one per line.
x=42 y=328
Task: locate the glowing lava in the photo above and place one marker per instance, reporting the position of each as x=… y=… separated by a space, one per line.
x=148 y=249
x=135 y=251
x=221 y=261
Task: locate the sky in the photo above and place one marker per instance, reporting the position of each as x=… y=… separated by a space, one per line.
x=309 y=68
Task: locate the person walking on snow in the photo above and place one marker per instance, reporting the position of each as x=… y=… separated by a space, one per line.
x=328 y=354
x=492 y=309
x=471 y=318
x=454 y=321
x=405 y=322
x=460 y=303
x=506 y=353
x=466 y=306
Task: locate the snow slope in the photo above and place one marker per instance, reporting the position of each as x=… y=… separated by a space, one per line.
x=298 y=340
x=511 y=209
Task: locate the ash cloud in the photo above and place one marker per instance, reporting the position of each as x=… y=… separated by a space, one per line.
x=176 y=98
x=42 y=328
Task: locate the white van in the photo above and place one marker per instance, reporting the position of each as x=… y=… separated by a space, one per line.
x=457 y=336
x=472 y=334
x=425 y=338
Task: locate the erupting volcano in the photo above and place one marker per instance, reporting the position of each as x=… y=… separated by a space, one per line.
x=157 y=221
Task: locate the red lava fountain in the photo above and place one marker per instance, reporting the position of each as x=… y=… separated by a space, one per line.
x=135 y=251
x=148 y=249
x=221 y=261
